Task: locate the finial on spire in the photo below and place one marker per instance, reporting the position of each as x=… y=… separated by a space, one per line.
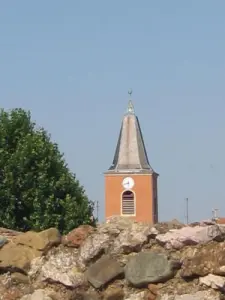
x=130 y=108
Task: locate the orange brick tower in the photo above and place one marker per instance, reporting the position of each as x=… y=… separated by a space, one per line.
x=130 y=182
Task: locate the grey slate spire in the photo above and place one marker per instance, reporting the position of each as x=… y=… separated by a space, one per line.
x=130 y=155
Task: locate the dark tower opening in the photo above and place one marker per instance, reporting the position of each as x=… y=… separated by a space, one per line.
x=128 y=206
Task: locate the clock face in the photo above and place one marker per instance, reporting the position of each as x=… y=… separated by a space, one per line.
x=128 y=183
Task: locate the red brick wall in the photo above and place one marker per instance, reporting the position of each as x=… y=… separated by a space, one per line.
x=143 y=191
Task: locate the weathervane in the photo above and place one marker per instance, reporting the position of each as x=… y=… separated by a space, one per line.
x=130 y=92
x=130 y=108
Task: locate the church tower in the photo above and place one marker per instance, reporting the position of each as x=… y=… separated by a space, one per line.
x=130 y=182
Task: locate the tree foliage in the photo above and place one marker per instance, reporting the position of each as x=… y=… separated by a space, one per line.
x=37 y=189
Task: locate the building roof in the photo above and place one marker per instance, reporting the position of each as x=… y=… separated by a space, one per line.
x=220 y=220
x=130 y=155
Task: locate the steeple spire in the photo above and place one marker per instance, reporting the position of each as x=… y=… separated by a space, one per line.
x=130 y=154
x=130 y=181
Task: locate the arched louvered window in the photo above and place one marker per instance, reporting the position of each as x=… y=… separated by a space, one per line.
x=128 y=203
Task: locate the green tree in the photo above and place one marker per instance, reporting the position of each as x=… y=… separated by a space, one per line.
x=37 y=189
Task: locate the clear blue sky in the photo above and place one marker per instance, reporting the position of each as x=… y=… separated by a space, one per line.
x=72 y=62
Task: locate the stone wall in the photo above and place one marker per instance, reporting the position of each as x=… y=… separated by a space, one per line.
x=120 y=259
